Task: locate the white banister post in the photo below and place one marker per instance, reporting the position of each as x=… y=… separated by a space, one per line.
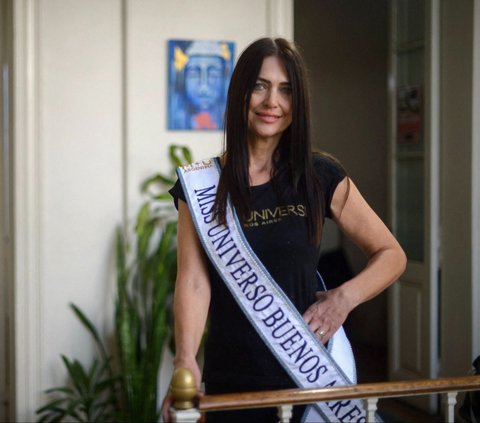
x=191 y=415
x=285 y=413
x=371 y=409
x=450 y=401
x=183 y=391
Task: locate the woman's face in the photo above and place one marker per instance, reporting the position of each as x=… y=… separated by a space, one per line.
x=270 y=109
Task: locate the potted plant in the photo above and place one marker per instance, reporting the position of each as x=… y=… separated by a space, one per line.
x=146 y=270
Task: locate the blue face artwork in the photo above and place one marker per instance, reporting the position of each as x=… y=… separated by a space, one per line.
x=198 y=80
x=204 y=82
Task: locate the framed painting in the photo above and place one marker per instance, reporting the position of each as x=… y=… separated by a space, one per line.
x=199 y=74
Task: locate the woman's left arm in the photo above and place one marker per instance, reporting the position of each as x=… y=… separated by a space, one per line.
x=386 y=261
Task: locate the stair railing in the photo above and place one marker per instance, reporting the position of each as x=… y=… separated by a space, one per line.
x=188 y=406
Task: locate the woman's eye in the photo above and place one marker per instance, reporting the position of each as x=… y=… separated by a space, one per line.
x=287 y=89
x=259 y=86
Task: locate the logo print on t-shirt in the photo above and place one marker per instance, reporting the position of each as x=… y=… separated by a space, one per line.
x=269 y=216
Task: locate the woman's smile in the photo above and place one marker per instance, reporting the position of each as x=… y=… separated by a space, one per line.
x=268 y=118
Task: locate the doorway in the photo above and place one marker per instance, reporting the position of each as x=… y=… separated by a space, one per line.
x=345 y=45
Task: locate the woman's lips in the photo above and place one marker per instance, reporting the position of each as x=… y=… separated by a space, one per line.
x=269 y=118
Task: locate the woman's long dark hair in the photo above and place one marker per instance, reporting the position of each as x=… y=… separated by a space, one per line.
x=294 y=151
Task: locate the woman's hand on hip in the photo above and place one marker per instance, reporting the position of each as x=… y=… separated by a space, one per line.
x=328 y=313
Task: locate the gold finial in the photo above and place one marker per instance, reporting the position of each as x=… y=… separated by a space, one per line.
x=183 y=389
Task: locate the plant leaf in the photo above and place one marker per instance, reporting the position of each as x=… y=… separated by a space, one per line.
x=173 y=154
x=91 y=328
x=187 y=155
x=163 y=197
x=157 y=179
x=62 y=389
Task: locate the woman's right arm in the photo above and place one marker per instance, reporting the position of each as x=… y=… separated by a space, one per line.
x=192 y=294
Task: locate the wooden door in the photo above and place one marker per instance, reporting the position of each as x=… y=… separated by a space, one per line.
x=414 y=106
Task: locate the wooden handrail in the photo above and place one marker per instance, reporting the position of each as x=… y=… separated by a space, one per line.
x=307 y=396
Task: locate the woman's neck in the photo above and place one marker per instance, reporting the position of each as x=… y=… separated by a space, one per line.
x=260 y=163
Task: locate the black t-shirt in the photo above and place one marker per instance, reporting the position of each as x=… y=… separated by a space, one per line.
x=235 y=356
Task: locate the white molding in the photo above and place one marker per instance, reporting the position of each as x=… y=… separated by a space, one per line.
x=475 y=185
x=27 y=196
x=280 y=18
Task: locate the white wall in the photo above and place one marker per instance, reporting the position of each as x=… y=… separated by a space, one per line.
x=90 y=124
x=149 y=25
x=80 y=137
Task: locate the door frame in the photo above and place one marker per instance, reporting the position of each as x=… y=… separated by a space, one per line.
x=28 y=315
x=476 y=184
x=7 y=409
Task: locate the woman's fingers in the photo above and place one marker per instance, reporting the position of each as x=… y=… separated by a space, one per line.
x=326 y=315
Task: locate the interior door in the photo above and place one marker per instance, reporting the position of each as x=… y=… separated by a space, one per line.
x=414 y=91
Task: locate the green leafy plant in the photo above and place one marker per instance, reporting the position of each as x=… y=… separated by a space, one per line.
x=92 y=394
x=146 y=270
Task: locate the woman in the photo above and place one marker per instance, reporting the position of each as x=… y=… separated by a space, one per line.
x=281 y=192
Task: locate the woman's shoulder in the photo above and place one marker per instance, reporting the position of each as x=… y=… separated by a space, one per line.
x=326 y=164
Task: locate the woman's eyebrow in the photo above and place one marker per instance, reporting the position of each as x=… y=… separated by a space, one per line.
x=269 y=82
x=263 y=80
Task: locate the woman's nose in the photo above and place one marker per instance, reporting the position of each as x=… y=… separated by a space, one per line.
x=271 y=98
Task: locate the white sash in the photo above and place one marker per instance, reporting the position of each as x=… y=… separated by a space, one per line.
x=270 y=311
